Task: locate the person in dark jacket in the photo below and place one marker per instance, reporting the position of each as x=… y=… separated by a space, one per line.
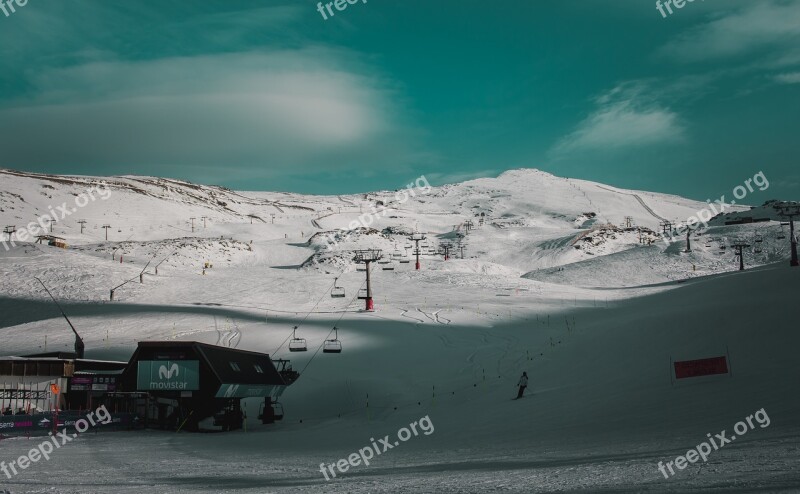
x=523 y=383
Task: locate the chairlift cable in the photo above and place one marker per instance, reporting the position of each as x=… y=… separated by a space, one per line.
x=325 y=293
x=335 y=327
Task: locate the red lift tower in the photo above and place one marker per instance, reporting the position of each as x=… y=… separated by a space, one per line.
x=417 y=238
x=367 y=256
x=446 y=250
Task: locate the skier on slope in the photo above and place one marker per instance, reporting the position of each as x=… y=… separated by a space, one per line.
x=523 y=383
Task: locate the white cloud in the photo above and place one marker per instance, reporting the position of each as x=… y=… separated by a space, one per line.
x=762 y=25
x=788 y=78
x=625 y=117
x=280 y=109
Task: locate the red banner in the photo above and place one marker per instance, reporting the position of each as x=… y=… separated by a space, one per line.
x=702 y=367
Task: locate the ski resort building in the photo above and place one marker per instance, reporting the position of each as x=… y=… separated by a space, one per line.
x=166 y=384
x=40 y=382
x=188 y=382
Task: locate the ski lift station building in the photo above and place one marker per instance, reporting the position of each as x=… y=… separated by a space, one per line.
x=193 y=381
x=166 y=384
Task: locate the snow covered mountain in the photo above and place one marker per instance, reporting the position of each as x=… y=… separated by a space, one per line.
x=534 y=224
x=566 y=279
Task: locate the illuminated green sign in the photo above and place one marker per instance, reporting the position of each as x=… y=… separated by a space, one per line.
x=168 y=375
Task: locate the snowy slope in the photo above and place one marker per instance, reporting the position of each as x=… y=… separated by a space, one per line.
x=595 y=327
x=600 y=414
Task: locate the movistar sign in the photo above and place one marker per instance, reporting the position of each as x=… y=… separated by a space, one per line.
x=243 y=391
x=168 y=375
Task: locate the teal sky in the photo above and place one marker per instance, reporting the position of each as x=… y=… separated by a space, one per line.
x=268 y=95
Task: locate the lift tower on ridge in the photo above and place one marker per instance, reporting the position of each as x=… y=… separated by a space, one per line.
x=367 y=256
x=790 y=211
x=417 y=238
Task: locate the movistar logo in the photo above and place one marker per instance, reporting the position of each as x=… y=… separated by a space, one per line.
x=231 y=391
x=168 y=375
x=165 y=373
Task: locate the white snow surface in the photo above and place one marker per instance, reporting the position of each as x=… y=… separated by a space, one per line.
x=595 y=327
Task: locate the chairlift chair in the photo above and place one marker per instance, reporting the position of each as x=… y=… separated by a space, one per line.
x=757 y=241
x=337 y=291
x=781 y=234
x=277 y=411
x=333 y=345
x=297 y=344
x=388 y=267
x=362 y=294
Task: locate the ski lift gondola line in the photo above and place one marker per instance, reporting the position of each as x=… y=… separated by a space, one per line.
x=335 y=328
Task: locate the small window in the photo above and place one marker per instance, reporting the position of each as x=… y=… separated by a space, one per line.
x=235 y=366
x=258 y=368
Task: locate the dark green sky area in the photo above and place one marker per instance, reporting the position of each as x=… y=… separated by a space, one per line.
x=269 y=95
